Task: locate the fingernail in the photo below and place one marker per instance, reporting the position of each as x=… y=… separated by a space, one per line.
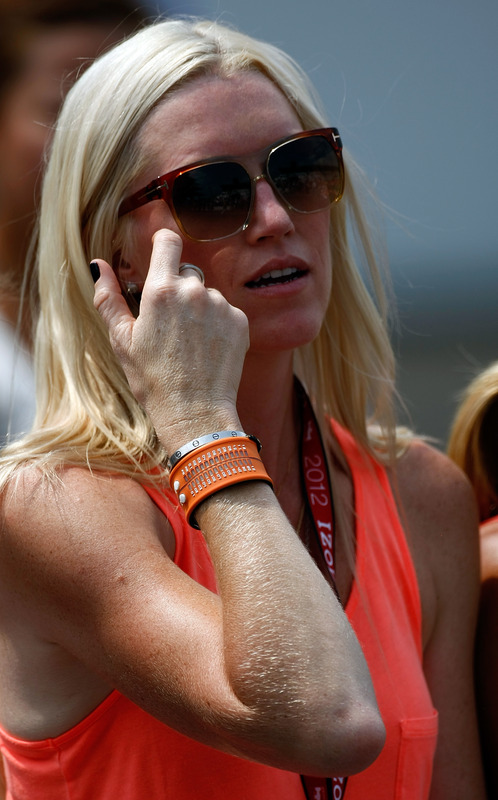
x=95 y=270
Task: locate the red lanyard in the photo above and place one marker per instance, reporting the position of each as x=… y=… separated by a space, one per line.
x=324 y=788
x=316 y=479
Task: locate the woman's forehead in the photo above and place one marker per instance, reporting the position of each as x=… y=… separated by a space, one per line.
x=214 y=116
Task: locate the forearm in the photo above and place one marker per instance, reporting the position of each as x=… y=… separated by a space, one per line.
x=290 y=654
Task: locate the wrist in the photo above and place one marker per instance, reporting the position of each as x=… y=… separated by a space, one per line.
x=209 y=440
x=176 y=435
x=211 y=463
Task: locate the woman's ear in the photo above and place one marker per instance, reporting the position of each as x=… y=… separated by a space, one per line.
x=130 y=288
x=122 y=268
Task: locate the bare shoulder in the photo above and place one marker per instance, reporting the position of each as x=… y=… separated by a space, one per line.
x=439 y=512
x=434 y=493
x=73 y=493
x=49 y=528
x=30 y=485
x=489 y=549
x=75 y=496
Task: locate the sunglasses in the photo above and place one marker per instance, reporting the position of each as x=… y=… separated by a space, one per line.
x=214 y=199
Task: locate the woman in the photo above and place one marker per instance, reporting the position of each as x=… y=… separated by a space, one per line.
x=240 y=277
x=473 y=445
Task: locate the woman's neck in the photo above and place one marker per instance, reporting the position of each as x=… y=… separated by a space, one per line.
x=267 y=409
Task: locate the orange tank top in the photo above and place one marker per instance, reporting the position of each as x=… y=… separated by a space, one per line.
x=385 y=611
x=120 y=751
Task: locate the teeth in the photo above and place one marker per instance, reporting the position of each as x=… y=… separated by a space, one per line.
x=278 y=273
x=275 y=275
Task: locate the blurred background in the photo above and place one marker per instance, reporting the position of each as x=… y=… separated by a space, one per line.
x=413 y=88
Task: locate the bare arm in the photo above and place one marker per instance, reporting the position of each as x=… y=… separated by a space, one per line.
x=442 y=521
x=487 y=654
x=270 y=669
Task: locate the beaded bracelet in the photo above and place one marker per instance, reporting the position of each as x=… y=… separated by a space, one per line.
x=213 y=466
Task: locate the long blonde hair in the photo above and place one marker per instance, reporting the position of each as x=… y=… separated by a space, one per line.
x=86 y=412
x=473 y=441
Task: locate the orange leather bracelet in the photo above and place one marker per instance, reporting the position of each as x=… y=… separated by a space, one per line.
x=213 y=467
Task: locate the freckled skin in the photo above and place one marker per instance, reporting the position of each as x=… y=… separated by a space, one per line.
x=256 y=115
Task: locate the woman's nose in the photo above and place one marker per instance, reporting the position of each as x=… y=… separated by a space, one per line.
x=270 y=216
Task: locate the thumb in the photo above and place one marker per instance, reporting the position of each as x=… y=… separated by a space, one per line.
x=111 y=305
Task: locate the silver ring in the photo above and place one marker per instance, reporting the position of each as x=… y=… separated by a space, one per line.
x=198 y=271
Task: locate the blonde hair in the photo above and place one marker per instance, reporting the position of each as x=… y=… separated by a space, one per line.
x=86 y=411
x=473 y=441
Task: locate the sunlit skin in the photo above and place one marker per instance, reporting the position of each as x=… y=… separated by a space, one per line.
x=487 y=651
x=186 y=128
x=264 y=666
x=253 y=114
x=194 y=343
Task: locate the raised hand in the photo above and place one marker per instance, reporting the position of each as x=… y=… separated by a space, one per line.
x=183 y=354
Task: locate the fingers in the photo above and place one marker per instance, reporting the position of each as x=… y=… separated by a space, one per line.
x=162 y=306
x=184 y=352
x=108 y=299
x=110 y=303
x=161 y=282
x=191 y=269
x=166 y=253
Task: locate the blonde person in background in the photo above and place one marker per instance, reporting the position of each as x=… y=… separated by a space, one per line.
x=473 y=445
x=195 y=616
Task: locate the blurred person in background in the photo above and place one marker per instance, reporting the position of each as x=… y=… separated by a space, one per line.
x=473 y=445
x=44 y=46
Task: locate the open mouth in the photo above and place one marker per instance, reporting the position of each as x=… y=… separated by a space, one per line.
x=276 y=276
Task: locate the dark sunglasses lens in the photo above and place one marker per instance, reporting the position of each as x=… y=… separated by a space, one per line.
x=212 y=201
x=307 y=173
